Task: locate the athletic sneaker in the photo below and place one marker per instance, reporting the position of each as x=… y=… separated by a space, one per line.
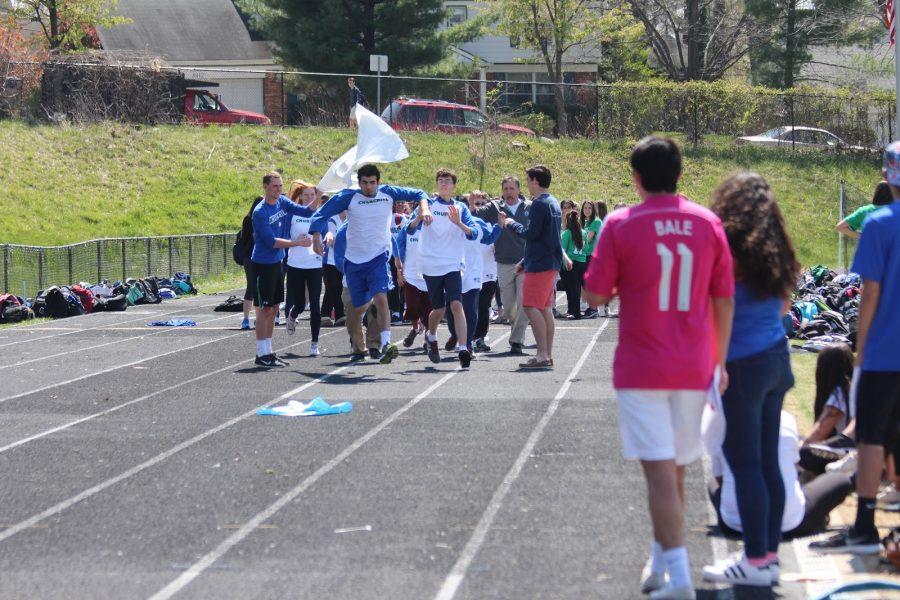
x=270 y=361
x=481 y=346
x=314 y=349
x=357 y=356
x=279 y=362
x=277 y=320
x=396 y=318
x=650 y=580
x=374 y=354
x=516 y=348
x=388 y=353
x=451 y=344
x=844 y=465
x=340 y=321
x=669 y=592
x=465 y=358
x=889 y=495
x=737 y=570
x=775 y=571
x=410 y=338
x=590 y=313
x=290 y=325
x=327 y=322
x=434 y=355
x=847 y=541
x=245 y=324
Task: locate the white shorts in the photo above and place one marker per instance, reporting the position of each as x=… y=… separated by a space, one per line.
x=661 y=424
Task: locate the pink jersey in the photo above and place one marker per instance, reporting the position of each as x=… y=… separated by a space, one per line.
x=665 y=259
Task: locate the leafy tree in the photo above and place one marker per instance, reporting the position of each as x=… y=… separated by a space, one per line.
x=69 y=24
x=625 y=52
x=793 y=26
x=339 y=36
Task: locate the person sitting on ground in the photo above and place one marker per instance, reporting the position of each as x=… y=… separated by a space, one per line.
x=831 y=409
x=852 y=225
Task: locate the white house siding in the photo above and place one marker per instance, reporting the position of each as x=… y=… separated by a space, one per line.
x=242 y=91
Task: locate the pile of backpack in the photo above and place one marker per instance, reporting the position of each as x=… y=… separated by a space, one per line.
x=824 y=309
x=59 y=302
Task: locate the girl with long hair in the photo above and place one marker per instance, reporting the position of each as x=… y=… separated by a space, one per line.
x=304 y=268
x=758 y=370
x=590 y=221
x=573 y=246
x=831 y=409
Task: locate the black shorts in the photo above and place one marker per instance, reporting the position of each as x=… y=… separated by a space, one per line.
x=250 y=290
x=444 y=289
x=877 y=407
x=269 y=285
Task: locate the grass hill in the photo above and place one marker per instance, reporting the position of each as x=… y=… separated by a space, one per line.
x=73 y=183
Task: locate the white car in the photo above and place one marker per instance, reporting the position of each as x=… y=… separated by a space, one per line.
x=799 y=137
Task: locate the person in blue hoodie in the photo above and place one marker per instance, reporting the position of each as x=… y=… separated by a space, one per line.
x=269 y=218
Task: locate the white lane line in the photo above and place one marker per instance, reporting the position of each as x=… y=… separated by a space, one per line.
x=147 y=333
x=47 y=337
x=103 y=413
x=58 y=508
x=458 y=572
x=204 y=563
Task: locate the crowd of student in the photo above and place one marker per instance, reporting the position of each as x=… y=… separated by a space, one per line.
x=701 y=355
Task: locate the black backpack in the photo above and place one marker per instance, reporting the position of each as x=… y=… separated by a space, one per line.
x=51 y=303
x=233 y=304
x=239 y=249
x=113 y=303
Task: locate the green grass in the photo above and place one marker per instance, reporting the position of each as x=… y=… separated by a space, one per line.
x=68 y=184
x=223 y=282
x=799 y=401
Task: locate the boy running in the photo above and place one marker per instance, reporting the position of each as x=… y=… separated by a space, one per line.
x=370 y=211
x=270 y=218
x=669 y=262
x=442 y=254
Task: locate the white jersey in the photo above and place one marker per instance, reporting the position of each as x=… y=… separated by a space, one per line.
x=443 y=244
x=300 y=257
x=334 y=223
x=488 y=263
x=412 y=266
x=472 y=277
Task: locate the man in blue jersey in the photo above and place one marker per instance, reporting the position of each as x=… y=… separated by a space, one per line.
x=269 y=218
x=370 y=212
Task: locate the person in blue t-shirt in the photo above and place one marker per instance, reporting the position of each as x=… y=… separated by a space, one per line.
x=269 y=219
x=877 y=262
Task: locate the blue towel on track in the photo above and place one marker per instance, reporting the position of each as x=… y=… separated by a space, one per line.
x=173 y=323
x=317 y=408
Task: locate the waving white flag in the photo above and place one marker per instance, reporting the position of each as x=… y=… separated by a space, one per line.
x=376 y=142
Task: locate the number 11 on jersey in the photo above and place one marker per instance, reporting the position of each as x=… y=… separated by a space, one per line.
x=685 y=270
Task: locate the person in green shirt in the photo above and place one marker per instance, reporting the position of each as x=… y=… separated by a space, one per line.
x=852 y=226
x=591 y=217
x=573 y=246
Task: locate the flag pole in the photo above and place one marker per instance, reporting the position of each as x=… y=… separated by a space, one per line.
x=894 y=18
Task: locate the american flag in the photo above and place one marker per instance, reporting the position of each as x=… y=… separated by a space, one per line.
x=889 y=21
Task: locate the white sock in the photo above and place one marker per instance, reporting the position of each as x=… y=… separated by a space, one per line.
x=678 y=566
x=269 y=346
x=385 y=338
x=431 y=337
x=261 y=348
x=657 y=562
x=461 y=347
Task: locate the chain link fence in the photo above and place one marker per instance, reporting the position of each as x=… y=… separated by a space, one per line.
x=28 y=269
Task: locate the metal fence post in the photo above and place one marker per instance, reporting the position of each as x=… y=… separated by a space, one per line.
x=149 y=258
x=6 y=267
x=841 y=213
x=71 y=269
x=791 y=111
x=41 y=269
x=224 y=251
x=171 y=271
x=190 y=255
x=124 y=265
x=99 y=261
x=208 y=257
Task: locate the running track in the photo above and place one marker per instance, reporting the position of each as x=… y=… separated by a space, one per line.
x=132 y=466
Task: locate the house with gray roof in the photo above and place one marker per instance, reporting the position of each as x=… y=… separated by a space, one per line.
x=207 y=40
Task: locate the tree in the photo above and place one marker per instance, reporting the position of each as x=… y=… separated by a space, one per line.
x=69 y=24
x=554 y=30
x=339 y=35
x=696 y=39
x=20 y=66
x=625 y=52
x=794 y=26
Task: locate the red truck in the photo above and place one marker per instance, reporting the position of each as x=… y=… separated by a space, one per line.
x=204 y=108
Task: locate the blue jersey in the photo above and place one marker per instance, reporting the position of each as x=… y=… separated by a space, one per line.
x=270 y=221
x=878 y=259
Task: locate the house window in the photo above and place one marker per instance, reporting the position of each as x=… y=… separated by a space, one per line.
x=457 y=14
x=518 y=90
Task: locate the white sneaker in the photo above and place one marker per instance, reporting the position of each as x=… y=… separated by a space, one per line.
x=889 y=495
x=314 y=349
x=669 y=592
x=736 y=570
x=775 y=572
x=290 y=325
x=650 y=580
x=844 y=465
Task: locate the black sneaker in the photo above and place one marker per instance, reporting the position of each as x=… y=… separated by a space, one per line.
x=374 y=354
x=434 y=355
x=450 y=346
x=465 y=358
x=849 y=542
x=516 y=348
x=266 y=362
x=358 y=356
x=388 y=353
x=480 y=346
x=410 y=338
x=278 y=361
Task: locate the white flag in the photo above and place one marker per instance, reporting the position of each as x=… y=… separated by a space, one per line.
x=376 y=142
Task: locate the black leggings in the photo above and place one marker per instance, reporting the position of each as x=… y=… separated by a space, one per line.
x=488 y=289
x=298 y=280
x=571 y=281
x=334 y=285
x=823 y=494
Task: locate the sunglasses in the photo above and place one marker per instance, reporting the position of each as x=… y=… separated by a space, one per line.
x=481 y=204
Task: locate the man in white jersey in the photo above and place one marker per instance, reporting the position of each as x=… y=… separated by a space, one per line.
x=370 y=211
x=442 y=255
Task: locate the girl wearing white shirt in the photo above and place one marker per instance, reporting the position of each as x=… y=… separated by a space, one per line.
x=304 y=268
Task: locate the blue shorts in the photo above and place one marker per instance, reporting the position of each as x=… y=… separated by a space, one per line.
x=364 y=280
x=444 y=289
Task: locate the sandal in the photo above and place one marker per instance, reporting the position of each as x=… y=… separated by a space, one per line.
x=536 y=364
